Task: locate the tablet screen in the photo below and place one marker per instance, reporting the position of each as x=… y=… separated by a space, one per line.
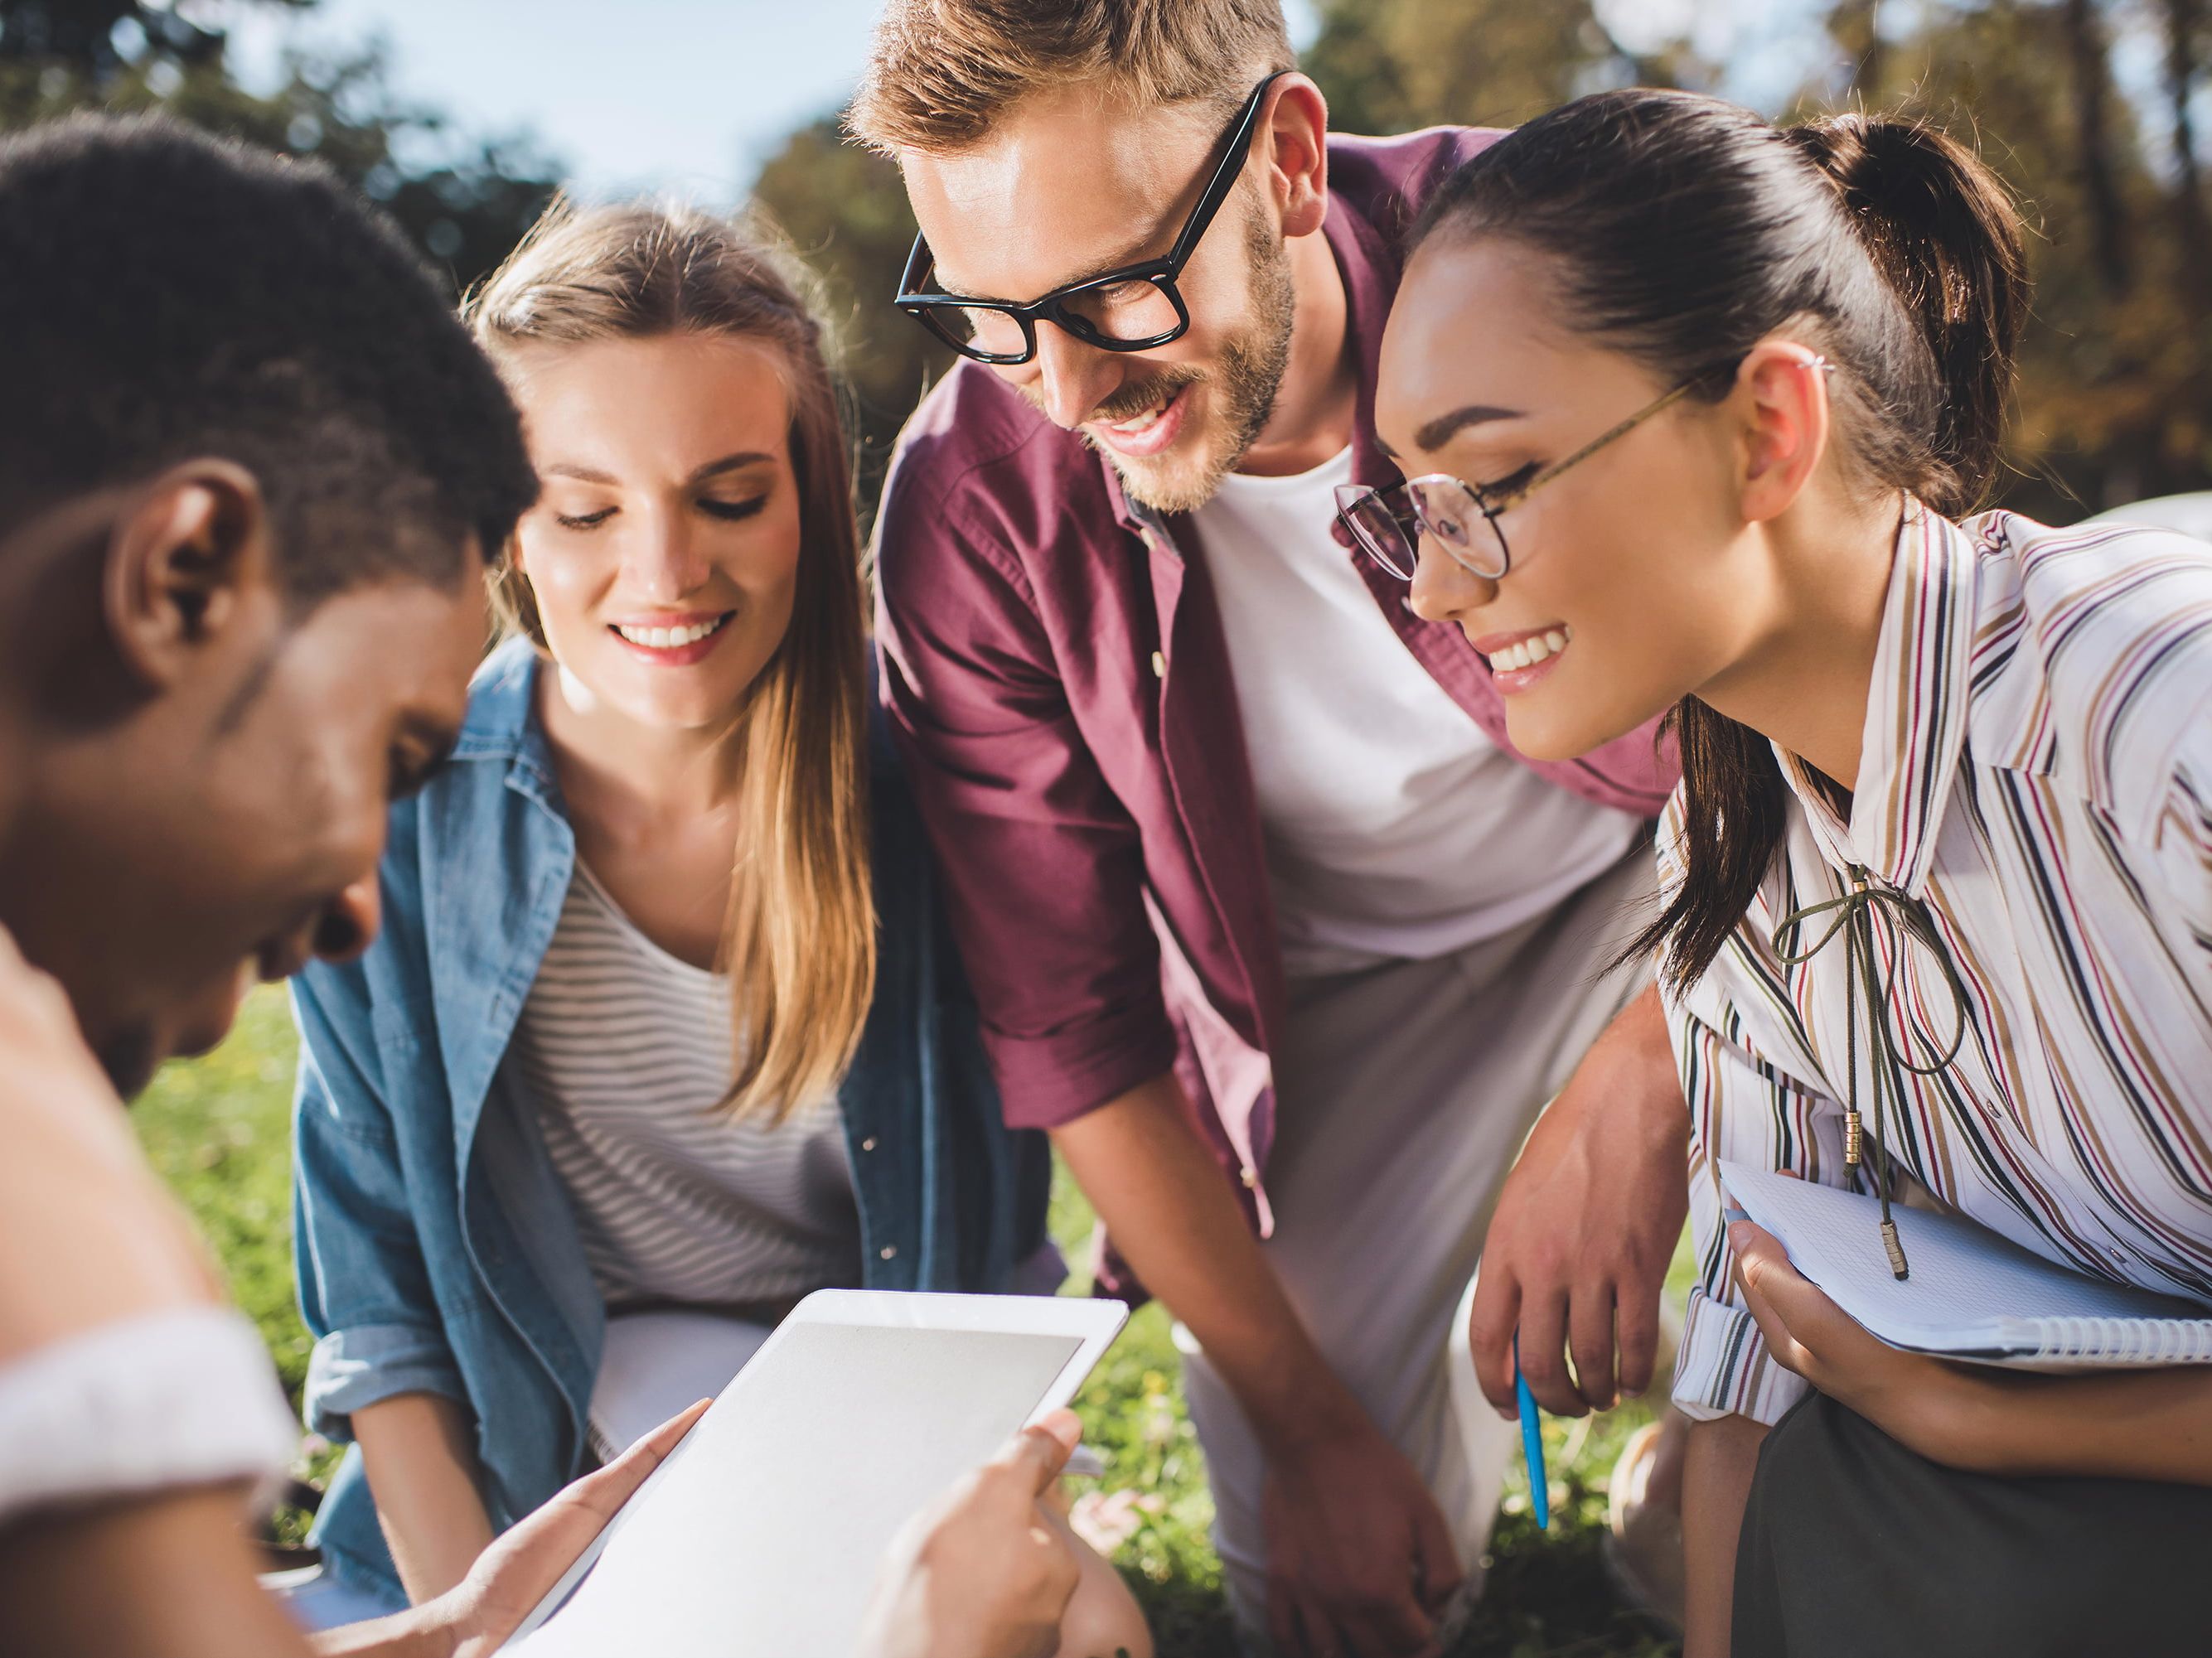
x=764 y=1535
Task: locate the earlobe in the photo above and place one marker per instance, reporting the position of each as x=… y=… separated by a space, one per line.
x=184 y=563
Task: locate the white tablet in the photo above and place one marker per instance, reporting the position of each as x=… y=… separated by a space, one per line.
x=763 y=1531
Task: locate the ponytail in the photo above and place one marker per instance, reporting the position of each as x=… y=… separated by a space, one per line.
x=1683 y=231
x=1945 y=233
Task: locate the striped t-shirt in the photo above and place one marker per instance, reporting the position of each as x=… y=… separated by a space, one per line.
x=625 y=1051
x=2036 y=770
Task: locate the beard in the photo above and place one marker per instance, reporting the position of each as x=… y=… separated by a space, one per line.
x=1245 y=379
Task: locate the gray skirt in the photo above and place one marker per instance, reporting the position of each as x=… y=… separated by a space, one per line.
x=1854 y=1547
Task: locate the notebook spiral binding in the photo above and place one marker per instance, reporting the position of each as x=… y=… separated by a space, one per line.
x=2148 y=1341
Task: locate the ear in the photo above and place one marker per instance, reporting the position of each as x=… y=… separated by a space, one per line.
x=187 y=563
x=1783 y=390
x=1296 y=122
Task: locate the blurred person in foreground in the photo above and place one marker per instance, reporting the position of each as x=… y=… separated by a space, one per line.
x=246 y=491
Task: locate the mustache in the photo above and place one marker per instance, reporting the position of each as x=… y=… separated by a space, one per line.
x=1129 y=401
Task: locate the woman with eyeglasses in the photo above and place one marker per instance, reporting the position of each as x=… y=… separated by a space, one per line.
x=1695 y=414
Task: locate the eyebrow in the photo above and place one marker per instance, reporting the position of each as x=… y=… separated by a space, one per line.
x=1444 y=428
x=732 y=462
x=1091 y=273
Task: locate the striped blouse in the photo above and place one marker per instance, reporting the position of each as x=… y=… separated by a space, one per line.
x=625 y=1051
x=2037 y=771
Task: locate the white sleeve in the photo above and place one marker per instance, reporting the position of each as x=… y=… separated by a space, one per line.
x=174 y=1399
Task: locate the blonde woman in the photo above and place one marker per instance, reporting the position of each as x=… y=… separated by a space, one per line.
x=661 y=1034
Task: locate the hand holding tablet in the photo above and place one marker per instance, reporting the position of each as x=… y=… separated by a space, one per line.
x=862 y=1411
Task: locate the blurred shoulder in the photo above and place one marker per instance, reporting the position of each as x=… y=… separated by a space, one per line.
x=1390 y=181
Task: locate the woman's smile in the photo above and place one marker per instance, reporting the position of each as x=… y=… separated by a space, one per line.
x=674 y=641
x=1518 y=660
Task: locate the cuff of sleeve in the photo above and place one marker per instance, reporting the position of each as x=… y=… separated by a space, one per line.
x=1046 y=1081
x=167 y=1401
x=1724 y=1368
x=351 y=1369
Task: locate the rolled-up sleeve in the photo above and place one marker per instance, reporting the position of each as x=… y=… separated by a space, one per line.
x=364 y=1288
x=1042 y=865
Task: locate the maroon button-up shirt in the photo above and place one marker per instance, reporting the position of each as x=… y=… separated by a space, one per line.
x=1056 y=669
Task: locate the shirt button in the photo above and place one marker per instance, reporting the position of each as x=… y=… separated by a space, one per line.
x=1250 y=1177
x=889 y=1252
x=869 y=1144
x=1159 y=665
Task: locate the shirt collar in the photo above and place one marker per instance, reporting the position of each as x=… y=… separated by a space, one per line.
x=502 y=723
x=1916 y=717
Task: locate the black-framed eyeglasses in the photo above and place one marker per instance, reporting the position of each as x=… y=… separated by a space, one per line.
x=1134 y=308
x=1388 y=522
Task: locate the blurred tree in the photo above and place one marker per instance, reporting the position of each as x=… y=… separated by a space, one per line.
x=2090 y=75
x=1856 y=27
x=1394 y=65
x=2184 y=46
x=2115 y=395
x=844 y=211
x=2116 y=383
x=464 y=200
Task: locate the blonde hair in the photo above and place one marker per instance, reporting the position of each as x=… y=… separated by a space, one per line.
x=941 y=72
x=800 y=939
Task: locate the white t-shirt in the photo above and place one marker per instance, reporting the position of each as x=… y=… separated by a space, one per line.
x=1395 y=829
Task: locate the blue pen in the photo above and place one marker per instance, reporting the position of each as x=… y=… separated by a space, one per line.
x=1532 y=1443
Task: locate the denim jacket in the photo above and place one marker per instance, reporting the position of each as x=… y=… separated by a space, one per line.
x=436 y=1248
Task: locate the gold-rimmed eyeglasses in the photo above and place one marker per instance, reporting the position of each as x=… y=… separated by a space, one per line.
x=1387 y=524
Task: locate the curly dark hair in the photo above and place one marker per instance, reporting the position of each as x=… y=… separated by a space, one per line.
x=164 y=293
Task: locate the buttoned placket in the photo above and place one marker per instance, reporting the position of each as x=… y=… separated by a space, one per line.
x=1167 y=568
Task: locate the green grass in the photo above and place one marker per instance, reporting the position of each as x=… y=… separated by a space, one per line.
x=217 y=1129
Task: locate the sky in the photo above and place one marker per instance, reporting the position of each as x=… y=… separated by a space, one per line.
x=685 y=96
x=691 y=96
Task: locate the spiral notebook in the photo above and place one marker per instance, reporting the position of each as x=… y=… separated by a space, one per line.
x=1971 y=1294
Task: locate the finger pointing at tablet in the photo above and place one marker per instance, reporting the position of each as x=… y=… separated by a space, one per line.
x=1043 y=1449
x=982 y=1573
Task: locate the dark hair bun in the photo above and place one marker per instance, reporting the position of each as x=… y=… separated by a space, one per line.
x=1945 y=233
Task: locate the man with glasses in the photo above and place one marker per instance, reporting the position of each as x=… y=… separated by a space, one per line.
x=1249 y=881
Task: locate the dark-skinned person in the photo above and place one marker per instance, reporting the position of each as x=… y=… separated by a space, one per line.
x=250 y=467
x=1271 y=924
x=1714 y=404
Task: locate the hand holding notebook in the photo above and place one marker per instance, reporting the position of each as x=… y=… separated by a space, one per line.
x=1972 y=1295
